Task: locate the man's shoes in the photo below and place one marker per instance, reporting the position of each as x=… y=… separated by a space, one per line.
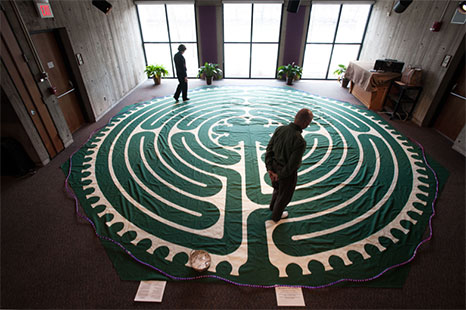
x=176 y=100
x=284 y=214
x=186 y=99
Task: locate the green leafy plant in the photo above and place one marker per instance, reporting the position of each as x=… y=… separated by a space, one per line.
x=340 y=71
x=210 y=70
x=156 y=72
x=290 y=72
x=341 y=75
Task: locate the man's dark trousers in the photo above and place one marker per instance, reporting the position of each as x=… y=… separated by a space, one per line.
x=283 y=191
x=182 y=88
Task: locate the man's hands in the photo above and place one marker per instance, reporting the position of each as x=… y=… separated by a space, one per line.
x=186 y=79
x=273 y=176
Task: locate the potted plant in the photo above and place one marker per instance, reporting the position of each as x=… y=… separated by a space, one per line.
x=209 y=70
x=341 y=75
x=156 y=72
x=291 y=72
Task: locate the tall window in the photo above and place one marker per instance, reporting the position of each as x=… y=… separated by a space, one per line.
x=163 y=28
x=335 y=36
x=251 y=37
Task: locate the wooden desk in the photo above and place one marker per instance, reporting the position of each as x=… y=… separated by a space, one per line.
x=370 y=88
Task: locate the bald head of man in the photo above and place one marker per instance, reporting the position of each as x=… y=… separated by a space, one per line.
x=303 y=118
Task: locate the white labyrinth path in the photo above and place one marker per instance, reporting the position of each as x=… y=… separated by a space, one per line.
x=178 y=177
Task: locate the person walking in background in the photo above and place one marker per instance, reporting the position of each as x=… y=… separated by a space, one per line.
x=180 y=65
x=283 y=157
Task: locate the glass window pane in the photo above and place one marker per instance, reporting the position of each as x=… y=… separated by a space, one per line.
x=159 y=54
x=182 y=23
x=342 y=54
x=237 y=22
x=352 y=23
x=153 y=22
x=323 y=23
x=264 y=60
x=190 y=55
x=237 y=60
x=266 y=22
x=316 y=60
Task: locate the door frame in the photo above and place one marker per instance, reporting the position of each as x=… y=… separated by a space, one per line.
x=16 y=67
x=443 y=102
x=70 y=56
x=23 y=39
x=64 y=44
x=20 y=30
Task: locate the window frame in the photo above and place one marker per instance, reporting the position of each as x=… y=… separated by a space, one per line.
x=250 y=42
x=169 y=42
x=333 y=43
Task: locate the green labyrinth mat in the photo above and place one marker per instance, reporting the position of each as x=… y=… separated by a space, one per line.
x=164 y=179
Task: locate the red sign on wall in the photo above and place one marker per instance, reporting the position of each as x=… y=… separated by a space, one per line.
x=44 y=9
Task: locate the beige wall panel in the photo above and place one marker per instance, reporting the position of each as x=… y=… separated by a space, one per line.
x=406 y=37
x=110 y=45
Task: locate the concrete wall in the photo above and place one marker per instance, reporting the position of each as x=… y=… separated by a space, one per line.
x=110 y=46
x=406 y=37
x=113 y=59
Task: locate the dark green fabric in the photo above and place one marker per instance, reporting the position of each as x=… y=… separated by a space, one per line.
x=163 y=179
x=287 y=147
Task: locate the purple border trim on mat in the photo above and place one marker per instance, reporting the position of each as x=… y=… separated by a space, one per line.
x=71 y=193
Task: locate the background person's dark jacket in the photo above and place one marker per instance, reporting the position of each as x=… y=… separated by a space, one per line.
x=180 y=65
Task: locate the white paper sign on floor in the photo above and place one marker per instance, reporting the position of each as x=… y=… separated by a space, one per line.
x=150 y=291
x=290 y=296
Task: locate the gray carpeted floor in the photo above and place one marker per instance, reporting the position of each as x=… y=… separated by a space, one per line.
x=51 y=259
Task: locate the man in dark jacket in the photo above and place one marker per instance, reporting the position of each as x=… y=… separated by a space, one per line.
x=180 y=65
x=283 y=158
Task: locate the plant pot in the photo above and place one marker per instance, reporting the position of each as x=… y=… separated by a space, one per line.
x=157 y=80
x=208 y=79
x=344 y=82
x=289 y=80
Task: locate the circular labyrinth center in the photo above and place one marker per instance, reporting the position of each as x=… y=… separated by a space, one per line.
x=165 y=179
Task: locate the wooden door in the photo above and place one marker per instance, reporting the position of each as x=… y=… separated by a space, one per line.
x=17 y=68
x=60 y=77
x=452 y=115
